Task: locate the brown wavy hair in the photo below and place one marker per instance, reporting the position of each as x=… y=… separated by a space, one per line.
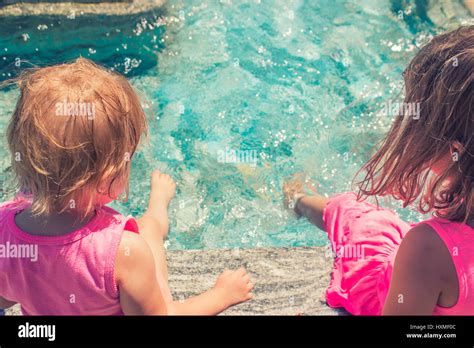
x=74 y=130
x=438 y=81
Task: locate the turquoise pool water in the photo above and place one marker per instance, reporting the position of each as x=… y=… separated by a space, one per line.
x=241 y=94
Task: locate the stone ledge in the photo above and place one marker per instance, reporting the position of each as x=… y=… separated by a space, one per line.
x=288 y=281
x=74 y=9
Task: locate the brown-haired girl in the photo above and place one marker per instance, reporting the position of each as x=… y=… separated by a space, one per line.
x=384 y=265
x=72 y=137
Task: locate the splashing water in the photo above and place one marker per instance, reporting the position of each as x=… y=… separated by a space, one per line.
x=243 y=94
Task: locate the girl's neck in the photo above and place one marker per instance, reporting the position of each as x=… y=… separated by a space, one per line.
x=53 y=225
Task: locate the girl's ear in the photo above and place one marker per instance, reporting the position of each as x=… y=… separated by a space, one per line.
x=102 y=188
x=456 y=149
x=445 y=161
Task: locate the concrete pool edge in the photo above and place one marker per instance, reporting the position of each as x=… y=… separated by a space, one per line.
x=75 y=9
x=288 y=281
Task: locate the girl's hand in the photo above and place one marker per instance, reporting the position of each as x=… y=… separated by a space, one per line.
x=163 y=187
x=295 y=188
x=234 y=286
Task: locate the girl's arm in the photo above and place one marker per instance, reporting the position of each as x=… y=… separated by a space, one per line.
x=135 y=274
x=140 y=293
x=207 y=303
x=232 y=287
x=421 y=270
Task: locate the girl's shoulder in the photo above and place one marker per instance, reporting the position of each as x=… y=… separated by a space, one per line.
x=423 y=274
x=424 y=239
x=427 y=254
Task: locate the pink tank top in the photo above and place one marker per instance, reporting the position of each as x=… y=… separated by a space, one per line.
x=459 y=239
x=71 y=274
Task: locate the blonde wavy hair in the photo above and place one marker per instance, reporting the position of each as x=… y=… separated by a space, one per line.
x=74 y=130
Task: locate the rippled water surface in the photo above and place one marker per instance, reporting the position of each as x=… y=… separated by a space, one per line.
x=240 y=95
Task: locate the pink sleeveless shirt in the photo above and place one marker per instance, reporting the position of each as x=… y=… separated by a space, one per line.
x=71 y=274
